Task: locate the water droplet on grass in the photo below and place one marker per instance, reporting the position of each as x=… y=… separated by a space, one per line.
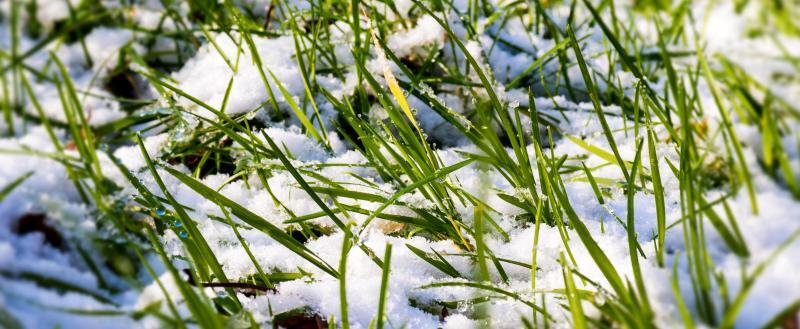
x=600 y=297
x=183 y=234
x=160 y=212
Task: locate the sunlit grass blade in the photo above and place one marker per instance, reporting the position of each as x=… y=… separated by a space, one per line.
x=10 y=187
x=253 y=220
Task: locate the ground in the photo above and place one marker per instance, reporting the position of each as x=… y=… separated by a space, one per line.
x=390 y=164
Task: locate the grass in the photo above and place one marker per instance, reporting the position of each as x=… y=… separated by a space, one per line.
x=653 y=132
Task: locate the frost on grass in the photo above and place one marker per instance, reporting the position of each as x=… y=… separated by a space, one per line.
x=210 y=163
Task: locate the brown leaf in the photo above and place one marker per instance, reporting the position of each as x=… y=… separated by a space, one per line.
x=302 y=321
x=37 y=222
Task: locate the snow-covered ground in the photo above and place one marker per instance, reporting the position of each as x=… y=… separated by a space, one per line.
x=65 y=262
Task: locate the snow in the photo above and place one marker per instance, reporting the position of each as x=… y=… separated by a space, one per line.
x=51 y=190
x=426 y=32
x=206 y=76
